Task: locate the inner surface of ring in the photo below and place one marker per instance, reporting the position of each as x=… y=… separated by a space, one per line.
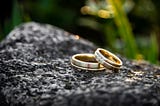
x=86 y=58
x=109 y=56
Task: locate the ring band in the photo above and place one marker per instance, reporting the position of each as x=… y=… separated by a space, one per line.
x=86 y=61
x=107 y=59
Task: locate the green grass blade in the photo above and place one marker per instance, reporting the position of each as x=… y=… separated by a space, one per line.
x=124 y=28
x=153 y=49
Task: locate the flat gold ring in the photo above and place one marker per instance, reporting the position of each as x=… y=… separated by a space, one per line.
x=86 y=61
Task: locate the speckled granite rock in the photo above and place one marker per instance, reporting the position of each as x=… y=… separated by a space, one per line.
x=35 y=70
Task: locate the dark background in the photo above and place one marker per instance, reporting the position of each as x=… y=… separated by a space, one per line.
x=143 y=16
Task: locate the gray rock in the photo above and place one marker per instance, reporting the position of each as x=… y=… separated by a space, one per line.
x=35 y=70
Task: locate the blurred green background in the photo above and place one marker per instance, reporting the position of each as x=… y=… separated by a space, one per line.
x=128 y=27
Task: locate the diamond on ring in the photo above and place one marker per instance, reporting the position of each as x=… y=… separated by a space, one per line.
x=107 y=59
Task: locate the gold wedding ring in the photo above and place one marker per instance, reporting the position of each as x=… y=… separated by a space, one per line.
x=100 y=60
x=107 y=59
x=86 y=61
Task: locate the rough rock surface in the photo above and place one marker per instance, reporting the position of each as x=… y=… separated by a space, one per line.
x=35 y=70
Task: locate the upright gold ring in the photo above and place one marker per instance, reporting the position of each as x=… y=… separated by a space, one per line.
x=86 y=61
x=107 y=59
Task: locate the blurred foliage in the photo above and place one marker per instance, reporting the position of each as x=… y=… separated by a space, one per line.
x=124 y=28
x=128 y=27
x=120 y=37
